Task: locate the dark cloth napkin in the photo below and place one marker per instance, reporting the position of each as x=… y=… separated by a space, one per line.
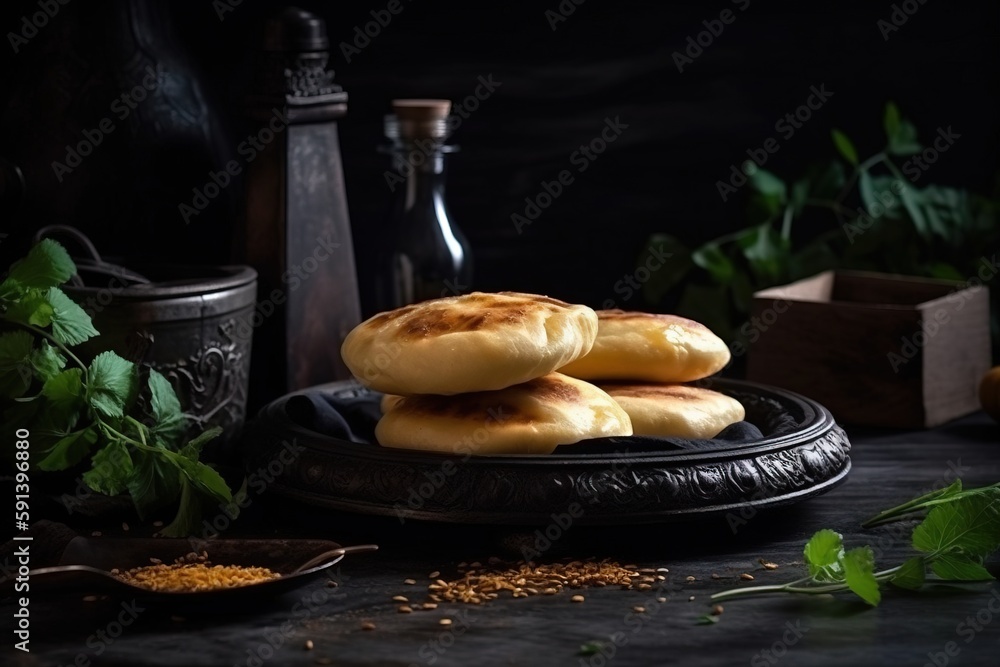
x=353 y=418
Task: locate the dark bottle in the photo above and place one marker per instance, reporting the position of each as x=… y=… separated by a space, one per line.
x=425 y=256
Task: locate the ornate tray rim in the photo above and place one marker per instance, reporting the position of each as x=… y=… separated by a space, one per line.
x=785 y=468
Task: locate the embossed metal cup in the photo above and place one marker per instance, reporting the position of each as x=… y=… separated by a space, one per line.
x=193 y=324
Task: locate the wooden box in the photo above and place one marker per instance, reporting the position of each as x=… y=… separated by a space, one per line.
x=875 y=349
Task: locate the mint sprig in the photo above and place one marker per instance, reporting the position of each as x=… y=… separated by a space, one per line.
x=960 y=530
x=126 y=419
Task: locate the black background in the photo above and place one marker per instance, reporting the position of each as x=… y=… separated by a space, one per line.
x=606 y=60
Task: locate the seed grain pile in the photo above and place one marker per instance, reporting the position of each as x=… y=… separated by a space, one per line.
x=478 y=584
x=192 y=573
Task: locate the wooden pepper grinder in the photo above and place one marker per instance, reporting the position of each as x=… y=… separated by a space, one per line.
x=297 y=233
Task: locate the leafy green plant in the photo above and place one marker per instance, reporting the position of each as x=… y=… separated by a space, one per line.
x=960 y=529
x=852 y=213
x=126 y=419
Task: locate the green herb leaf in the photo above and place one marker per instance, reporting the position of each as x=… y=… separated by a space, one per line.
x=911 y=574
x=47 y=361
x=800 y=192
x=711 y=258
x=70 y=450
x=765 y=250
x=844 y=146
x=914 y=505
x=32 y=308
x=155 y=482
x=111 y=381
x=46 y=265
x=707 y=619
x=970 y=524
x=591 y=648
x=186 y=521
x=112 y=469
x=205 y=479
x=767 y=183
x=192 y=450
x=960 y=567
x=71 y=325
x=859 y=573
x=169 y=419
x=65 y=397
x=904 y=140
x=823 y=553
x=15 y=364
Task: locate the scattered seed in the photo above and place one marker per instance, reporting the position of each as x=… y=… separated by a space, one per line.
x=577 y=598
x=400 y=598
x=430 y=605
x=717 y=610
x=661 y=599
x=768 y=565
x=639 y=610
x=715 y=576
x=660 y=577
x=367 y=625
x=409 y=582
x=644 y=587
x=90 y=598
x=691 y=599
x=405 y=609
x=689 y=578
x=549 y=591
x=475 y=563
x=332 y=584
x=434 y=575
x=124 y=526
x=746 y=577
x=155 y=561
x=444 y=621
x=662 y=569
x=309 y=644
x=493 y=560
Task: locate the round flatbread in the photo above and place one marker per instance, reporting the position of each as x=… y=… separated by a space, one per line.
x=651 y=348
x=475 y=342
x=676 y=410
x=530 y=418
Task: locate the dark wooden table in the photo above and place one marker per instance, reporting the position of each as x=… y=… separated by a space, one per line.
x=941 y=626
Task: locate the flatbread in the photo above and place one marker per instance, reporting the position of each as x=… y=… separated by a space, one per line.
x=530 y=418
x=651 y=348
x=676 y=410
x=474 y=342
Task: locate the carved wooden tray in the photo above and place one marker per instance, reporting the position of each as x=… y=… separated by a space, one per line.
x=803 y=453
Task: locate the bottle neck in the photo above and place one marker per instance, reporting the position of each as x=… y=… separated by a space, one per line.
x=422 y=167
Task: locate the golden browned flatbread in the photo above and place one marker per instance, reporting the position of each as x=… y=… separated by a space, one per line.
x=475 y=342
x=530 y=418
x=676 y=410
x=651 y=348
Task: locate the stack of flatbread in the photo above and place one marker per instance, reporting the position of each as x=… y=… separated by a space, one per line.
x=642 y=360
x=477 y=374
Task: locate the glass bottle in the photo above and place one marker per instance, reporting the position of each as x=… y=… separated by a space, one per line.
x=424 y=256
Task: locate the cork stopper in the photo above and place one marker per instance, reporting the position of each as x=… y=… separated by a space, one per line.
x=420 y=118
x=421 y=110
